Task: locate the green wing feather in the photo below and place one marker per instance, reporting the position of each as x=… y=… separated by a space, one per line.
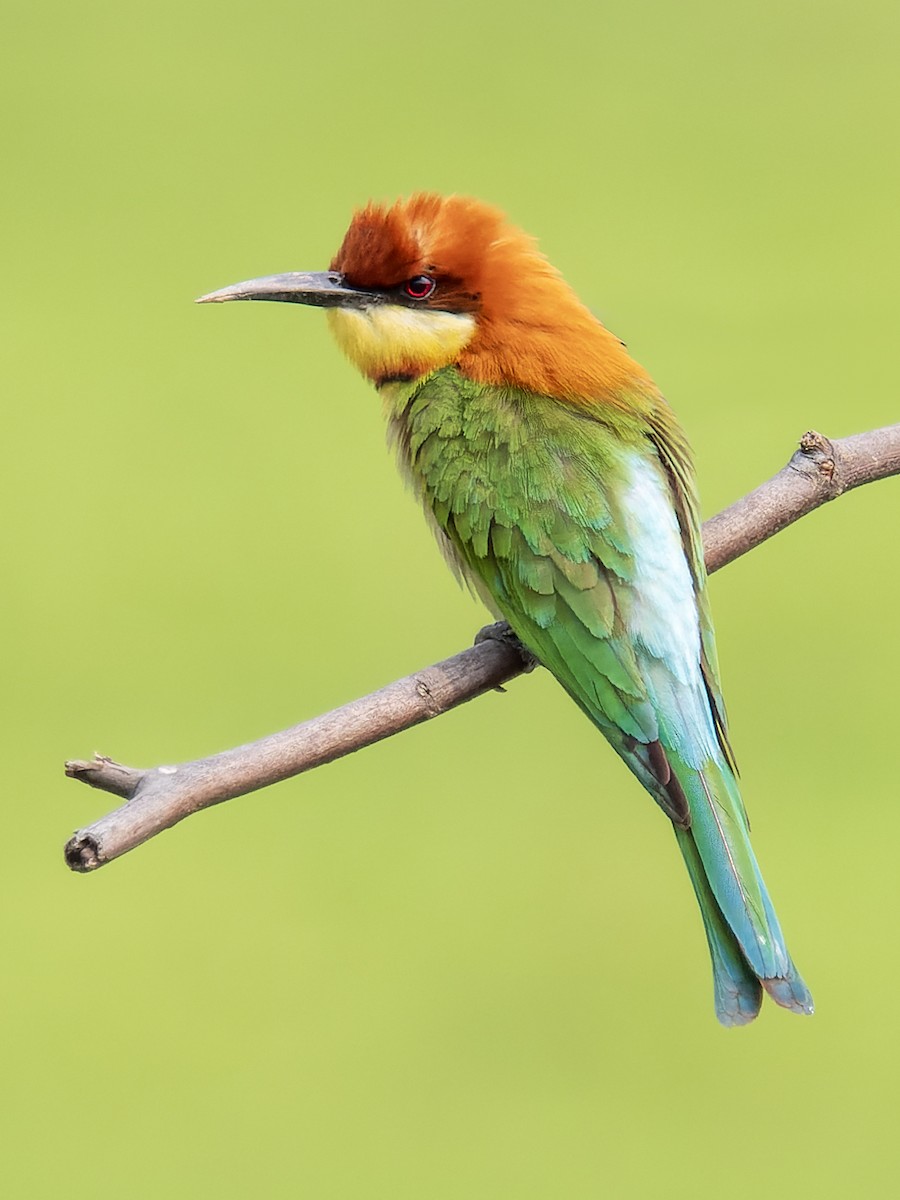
x=529 y=496
x=535 y=533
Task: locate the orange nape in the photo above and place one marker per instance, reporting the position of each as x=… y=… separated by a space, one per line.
x=531 y=330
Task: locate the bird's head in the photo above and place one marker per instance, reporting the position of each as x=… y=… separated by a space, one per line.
x=432 y=281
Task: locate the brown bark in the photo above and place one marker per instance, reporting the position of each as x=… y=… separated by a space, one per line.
x=158 y=797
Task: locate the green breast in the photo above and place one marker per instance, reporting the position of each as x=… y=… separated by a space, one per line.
x=528 y=496
x=486 y=460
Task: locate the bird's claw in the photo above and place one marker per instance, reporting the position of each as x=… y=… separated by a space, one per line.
x=501 y=632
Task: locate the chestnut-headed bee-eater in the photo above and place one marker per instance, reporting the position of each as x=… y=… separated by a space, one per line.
x=561 y=487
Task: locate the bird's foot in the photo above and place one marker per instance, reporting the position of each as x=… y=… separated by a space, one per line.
x=501 y=632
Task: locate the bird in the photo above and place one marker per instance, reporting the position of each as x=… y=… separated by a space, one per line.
x=561 y=488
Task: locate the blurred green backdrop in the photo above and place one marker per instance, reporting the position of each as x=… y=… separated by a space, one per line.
x=466 y=963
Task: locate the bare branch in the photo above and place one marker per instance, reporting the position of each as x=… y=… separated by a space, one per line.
x=159 y=797
x=820 y=470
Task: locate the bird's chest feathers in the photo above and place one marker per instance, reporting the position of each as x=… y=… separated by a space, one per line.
x=450 y=441
x=534 y=505
x=453 y=446
x=389 y=341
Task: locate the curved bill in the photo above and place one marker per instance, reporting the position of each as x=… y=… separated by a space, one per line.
x=324 y=289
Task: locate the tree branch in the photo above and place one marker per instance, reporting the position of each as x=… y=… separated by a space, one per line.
x=159 y=797
x=820 y=470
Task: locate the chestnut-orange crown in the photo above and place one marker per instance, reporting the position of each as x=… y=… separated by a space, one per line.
x=460 y=242
x=532 y=330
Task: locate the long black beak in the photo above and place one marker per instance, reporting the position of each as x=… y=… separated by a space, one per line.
x=324 y=289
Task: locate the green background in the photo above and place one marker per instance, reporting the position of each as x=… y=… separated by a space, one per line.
x=465 y=963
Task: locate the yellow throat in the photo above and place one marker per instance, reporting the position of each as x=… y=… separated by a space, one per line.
x=388 y=340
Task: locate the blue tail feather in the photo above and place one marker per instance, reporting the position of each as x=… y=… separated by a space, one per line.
x=746 y=944
x=745 y=939
x=737 y=990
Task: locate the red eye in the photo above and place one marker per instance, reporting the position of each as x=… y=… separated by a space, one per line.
x=419 y=287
